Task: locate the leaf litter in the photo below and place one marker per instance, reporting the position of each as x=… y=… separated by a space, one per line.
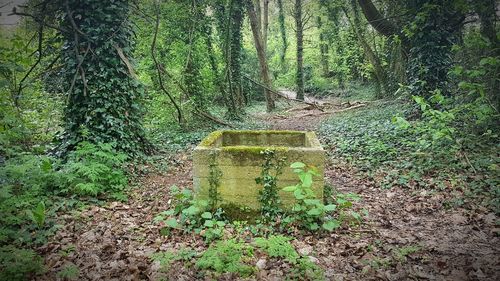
x=408 y=235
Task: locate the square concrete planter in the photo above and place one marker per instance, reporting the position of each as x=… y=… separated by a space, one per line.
x=237 y=155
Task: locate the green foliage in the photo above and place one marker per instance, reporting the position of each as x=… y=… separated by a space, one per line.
x=309 y=211
x=93 y=169
x=25 y=183
x=29 y=116
x=69 y=272
x=167 y=258
x=439 y=151
x=305 y=269
x=227 y=256
x=104 y=99
x=268 y=196
x=432 y=35
x=38 y=214
x=191 y=214
x=278 y=246
x=19 y=264
x=400 y=254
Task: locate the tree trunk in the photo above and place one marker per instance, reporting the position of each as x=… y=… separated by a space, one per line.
x=281 y=19
x=300 y=49
x=265 y=23
x=323 y=49
x=371 y=56
x=264 y=69
x=104 y=98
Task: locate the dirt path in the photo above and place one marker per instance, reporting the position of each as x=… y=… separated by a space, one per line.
x=408 y=235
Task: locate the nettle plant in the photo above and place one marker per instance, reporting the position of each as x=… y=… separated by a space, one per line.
x=190 y=214
x=311 y=213
x=308 y=211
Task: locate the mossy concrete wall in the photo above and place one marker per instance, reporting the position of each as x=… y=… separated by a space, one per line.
x=237 y=155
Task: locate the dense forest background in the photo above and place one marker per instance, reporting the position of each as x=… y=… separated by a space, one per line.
x=94 y=95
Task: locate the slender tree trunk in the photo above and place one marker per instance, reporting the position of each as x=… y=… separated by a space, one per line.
x=281 y=19
x=264 y=69
x=300 y=49
x=323 y=49
x=265 y=23
x=237 y=16
x=379 y=71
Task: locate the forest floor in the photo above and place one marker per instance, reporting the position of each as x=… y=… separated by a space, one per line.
x=408 y=234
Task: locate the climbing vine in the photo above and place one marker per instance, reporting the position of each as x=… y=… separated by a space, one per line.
x=268 y=197
x=214 y=176
x=432 y=34
x=104 y=99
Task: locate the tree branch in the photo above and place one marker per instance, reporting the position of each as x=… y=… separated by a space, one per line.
x=377 y=20
x=160 y=80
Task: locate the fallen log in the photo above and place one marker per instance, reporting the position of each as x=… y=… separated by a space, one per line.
x=279 y=94
x=331 y=112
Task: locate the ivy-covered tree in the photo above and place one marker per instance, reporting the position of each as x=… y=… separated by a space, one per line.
x=431 y=36
x=103 y=94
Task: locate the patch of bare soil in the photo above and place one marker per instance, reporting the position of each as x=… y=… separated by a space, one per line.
x=307 y=115
x=408 y=234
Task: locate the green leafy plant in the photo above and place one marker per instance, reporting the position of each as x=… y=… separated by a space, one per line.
x=69 y=272
x=168 y=257
x=19 y=264
x=401 y=254
x=93 y=169
x=305 y=269
x=309 y=211
x=26 y=185
x=278 y=246
x=191 y=214
x=227 y=256
x=38 y=214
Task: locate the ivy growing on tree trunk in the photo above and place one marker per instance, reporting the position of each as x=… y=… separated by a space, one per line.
x=103 y=94
x=431 y=34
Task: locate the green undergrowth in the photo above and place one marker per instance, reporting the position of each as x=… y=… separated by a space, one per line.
x=239 y=257
x=235 y=245
x=35 y=188
x=436 y=152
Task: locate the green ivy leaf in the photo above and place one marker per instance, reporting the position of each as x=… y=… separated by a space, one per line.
x=313 y=226
x=298 y=194
x=192 y=210
x=312 y=202
x=306 y=179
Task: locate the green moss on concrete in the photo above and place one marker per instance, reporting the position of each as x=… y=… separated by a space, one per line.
x=264 y=132
x=211 y=138
x=253 y=149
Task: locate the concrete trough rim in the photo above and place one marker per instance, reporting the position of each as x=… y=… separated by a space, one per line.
x=315 y=145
